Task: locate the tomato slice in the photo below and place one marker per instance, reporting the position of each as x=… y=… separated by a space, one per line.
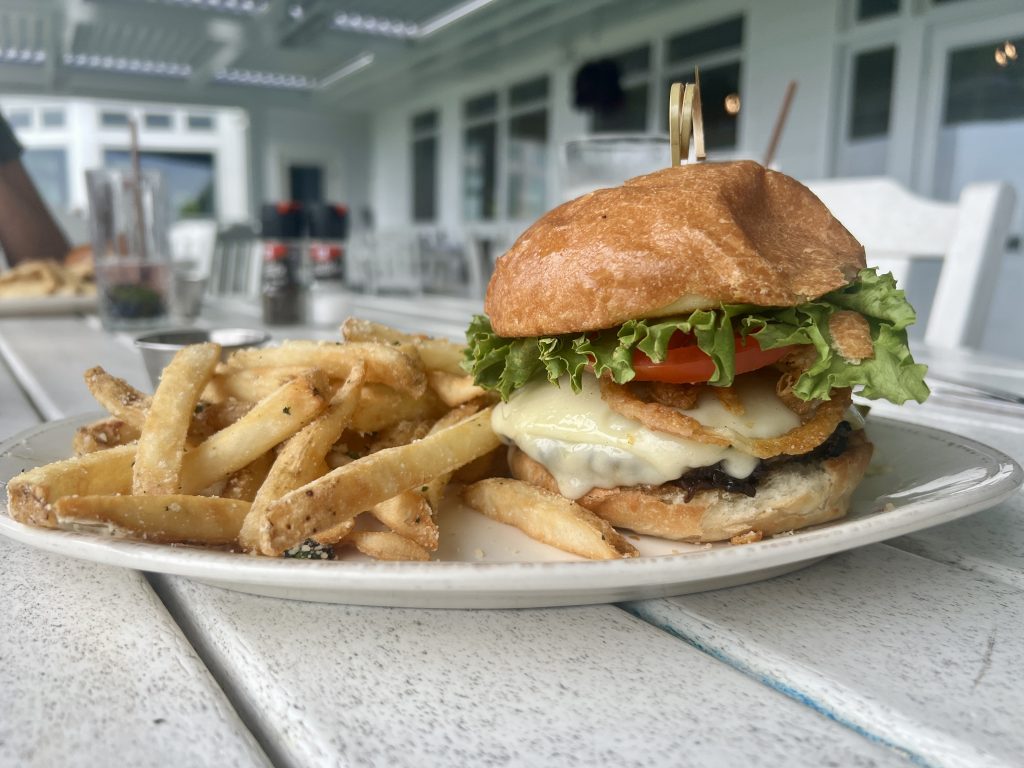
x=686 y=363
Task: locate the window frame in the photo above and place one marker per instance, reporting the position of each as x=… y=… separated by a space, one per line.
x=416 y=134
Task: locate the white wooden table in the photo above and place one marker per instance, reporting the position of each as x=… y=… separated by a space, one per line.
x=898 y=653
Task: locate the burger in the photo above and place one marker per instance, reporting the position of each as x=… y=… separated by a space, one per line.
x=678 y=354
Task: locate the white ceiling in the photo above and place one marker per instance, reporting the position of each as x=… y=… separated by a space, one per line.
x=336 y=54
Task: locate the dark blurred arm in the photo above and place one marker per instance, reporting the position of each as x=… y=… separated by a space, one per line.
x=27 y=230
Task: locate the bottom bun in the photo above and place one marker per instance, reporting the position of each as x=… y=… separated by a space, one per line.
x=791 y=496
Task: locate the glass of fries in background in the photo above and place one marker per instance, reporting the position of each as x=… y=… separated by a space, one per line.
x=296 y=450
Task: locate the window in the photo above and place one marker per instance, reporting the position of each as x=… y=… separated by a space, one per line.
x=53 y=118
x=716 y=49
x=631 y=116
x=20 y=118
x=527 y=149
x=156 y=121
x=871 y=95
x=200 y=122
x=876 y=9
x=189 y=177
x=306 y=184
x=48 y=169
x=113 y=119
x=424 y=166
x=723 y=35
x=480 y=158
x=986 y=82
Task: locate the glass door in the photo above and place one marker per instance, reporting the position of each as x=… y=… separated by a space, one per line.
x=976 y=108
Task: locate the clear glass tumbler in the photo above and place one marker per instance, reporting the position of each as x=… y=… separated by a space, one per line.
x=129 y=220
x=607 y=160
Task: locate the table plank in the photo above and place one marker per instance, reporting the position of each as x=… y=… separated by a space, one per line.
x=17 y=413
x=88 y=651
x=332 y=684
x=913 y=652
x=95 y=672
x=49 y=355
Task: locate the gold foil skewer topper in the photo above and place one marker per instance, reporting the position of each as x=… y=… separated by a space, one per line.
x=686 y=120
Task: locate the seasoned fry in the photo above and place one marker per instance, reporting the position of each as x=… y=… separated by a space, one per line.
x=118 y=397
x=409 y=515
x=245 y=483
x=343 y=493
x=248 y=384
x=274 y=419
x=31 y=495
x=302 y=458
x=399 y=434
x=213 y=417
x=384 y=545
x=165 y=519
x=436 y=354
x=384 y=364
x=162 y=444
x=103 y=434
x=548 y=517
x=454 y=390
x=381 y=407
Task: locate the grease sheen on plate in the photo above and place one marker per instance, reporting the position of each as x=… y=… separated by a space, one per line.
x=920 y=477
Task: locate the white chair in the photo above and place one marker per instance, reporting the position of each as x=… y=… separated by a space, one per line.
x=969 y=236
x=192 y=244
x=235 y=270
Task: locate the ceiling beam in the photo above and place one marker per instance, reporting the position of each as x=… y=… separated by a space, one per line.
x=504 y=15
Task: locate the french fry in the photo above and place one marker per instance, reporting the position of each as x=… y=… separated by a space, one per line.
x=381 y=407
x=213 y=417
x=248 y=384
x=302 y=457
x=399 y=434
x=343 y=493
x=103 y=434
x=245 y=483
x=548 y=517
x=384 y=364
x=409 y=515
x=118 y=397
x=32 y=494
x=164 y=519
x=454 y=390
x=162 y=444
x=385 y=545
x=274 y=419
x=435 y=354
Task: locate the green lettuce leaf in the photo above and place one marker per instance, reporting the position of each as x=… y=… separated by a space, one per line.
x=504 y=365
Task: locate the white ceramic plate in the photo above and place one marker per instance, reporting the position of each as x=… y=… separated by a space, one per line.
x=920 y=477
x=47 y=305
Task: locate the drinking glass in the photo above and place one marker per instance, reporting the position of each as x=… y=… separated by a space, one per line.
x=128 y=220
x=607 y=160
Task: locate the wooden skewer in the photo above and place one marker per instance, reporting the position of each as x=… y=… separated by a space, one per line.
x=685 y=121
x=780 y=123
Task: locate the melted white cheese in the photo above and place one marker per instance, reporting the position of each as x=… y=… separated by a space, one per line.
x=584 y=444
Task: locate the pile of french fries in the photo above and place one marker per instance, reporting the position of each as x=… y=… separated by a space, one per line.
x=278 y=450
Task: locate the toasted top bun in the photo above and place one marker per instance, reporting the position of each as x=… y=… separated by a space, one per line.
x=673 y=241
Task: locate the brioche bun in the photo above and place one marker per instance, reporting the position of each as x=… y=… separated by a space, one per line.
x=676 y=240
x=791 y=496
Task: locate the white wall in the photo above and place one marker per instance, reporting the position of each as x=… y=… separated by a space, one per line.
x=780 y=37
x=338 y=143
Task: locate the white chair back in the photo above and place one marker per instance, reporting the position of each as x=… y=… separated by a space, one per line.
x=192 y=244
x=969 y=236
x=236 y=263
